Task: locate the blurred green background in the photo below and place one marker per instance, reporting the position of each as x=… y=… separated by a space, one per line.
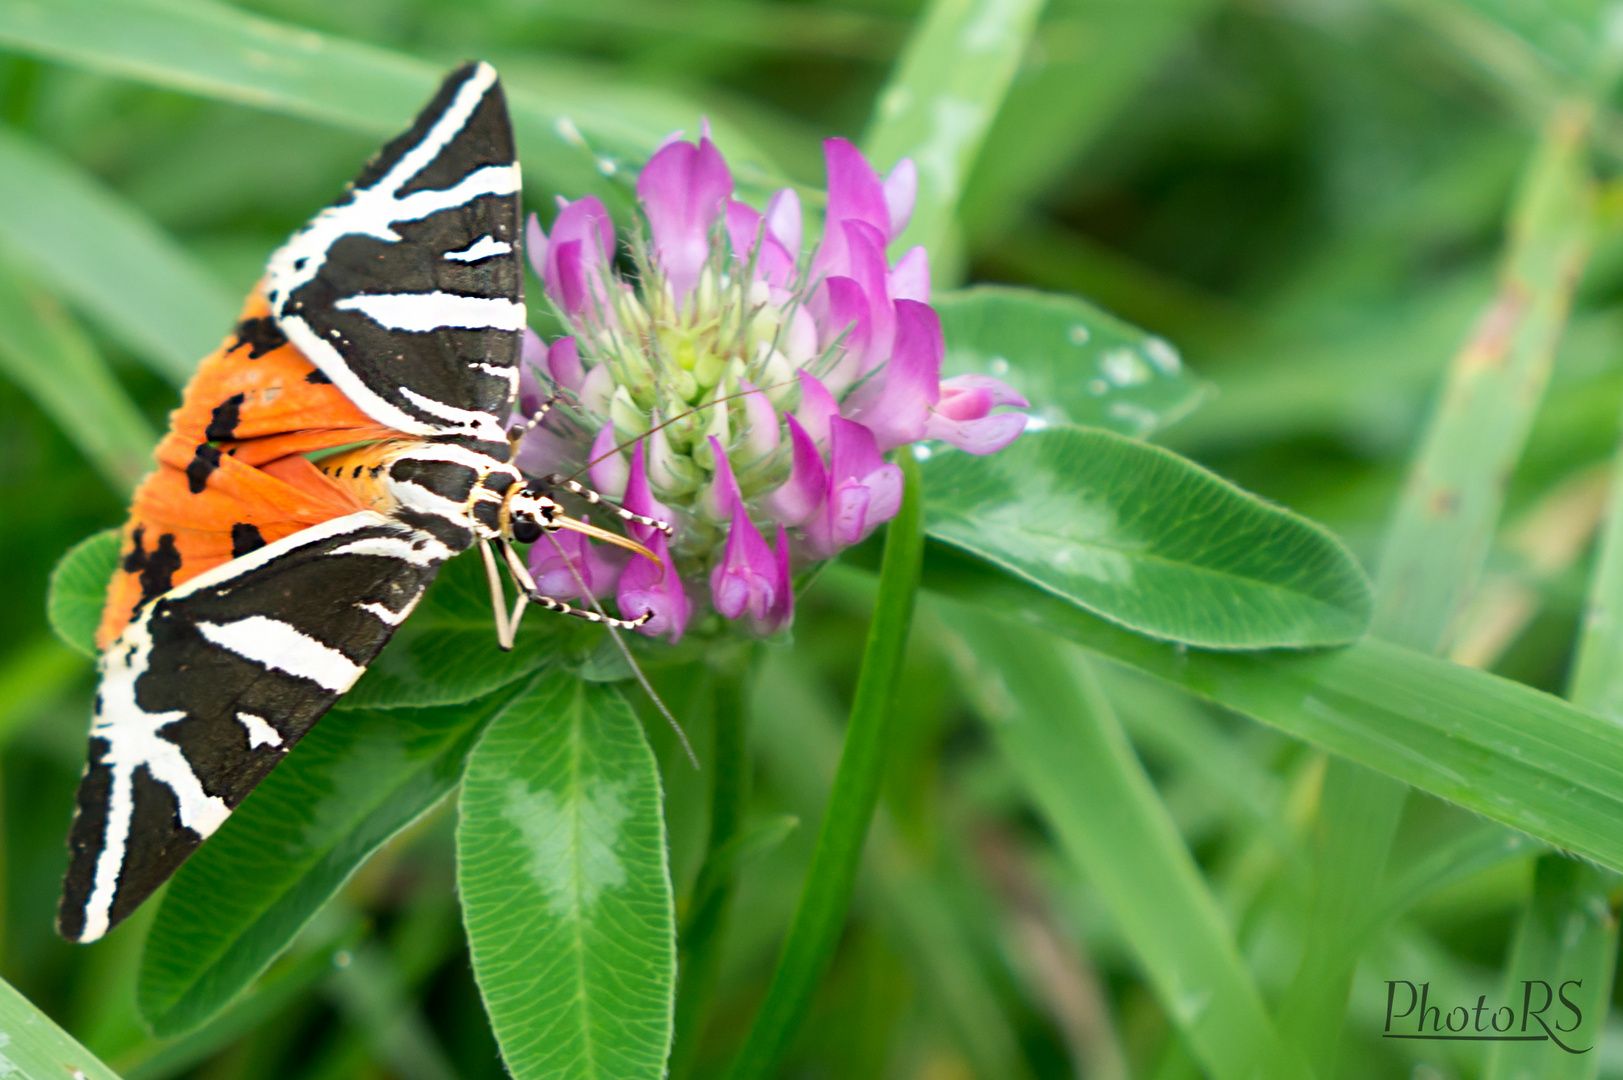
x=1308 y=197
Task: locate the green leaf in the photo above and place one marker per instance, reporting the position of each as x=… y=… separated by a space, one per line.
x=446 y=652
x=103 y=254
x=936 y=107
x=1149 y=540
x=1075 y=363
x=1059 y=734
x=1501 y=749
x=45 y=353
x=78 y=589
x=565 y=891
x=34 y=1048
x=358 y=779
x=571 y=131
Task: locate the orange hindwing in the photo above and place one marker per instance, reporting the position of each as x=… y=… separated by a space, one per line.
x=231 y=473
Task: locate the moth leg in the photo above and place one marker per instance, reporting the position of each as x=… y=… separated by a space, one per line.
x=522 y=574
x=557 y=480
x=498 y=598
x=526 y=586
x=562 y=608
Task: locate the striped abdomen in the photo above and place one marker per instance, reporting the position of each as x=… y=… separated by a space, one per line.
x=440 y=487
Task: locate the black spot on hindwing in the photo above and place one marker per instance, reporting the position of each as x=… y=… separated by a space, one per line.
x=156 y=568
x=245 y=538
x=204 y=461
x=223 y=421
x=137 y=557
x=261 y=335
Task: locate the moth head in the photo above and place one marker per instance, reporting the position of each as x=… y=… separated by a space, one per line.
x=529 y=512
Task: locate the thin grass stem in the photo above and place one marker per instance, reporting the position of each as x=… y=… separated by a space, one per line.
x=820 y=916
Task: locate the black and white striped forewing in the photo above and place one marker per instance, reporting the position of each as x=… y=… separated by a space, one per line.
x=212 y=684
x=408 y=293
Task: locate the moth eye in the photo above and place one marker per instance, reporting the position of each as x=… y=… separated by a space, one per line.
x=526 y=531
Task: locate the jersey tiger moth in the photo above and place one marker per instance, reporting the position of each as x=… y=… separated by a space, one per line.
x=255 y=584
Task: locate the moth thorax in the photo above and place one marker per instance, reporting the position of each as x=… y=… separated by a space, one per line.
x=526 y=514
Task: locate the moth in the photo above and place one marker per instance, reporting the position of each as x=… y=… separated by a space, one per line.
x=344 y=442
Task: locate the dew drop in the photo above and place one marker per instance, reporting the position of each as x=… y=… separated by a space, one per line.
x=1124 y=368
x=1163 y=355
x=568 y=132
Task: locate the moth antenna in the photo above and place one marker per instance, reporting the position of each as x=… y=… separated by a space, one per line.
x=636 y=668
x=516 y=433
x=498 y=598
x=679 y=416
x=558 y=480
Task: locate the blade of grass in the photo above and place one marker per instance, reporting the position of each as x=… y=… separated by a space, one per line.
x=1437 y=545
x=939 y=102
x=1570 y=924
x=34 y=1048
x=49 y=357
x=820 y=915
x=941 y=951
x=1359 y=812
x=1567 y=941
x=32 y=676
x=1057 y=730
x=1443 y=527
x=1465 y=855
x=372 y=992
x=571 y=132
x=1094 y=56
x=1597 y=674
x=160 y=1059
x=1496 y=747
x=107 y=257
x=814 y=28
